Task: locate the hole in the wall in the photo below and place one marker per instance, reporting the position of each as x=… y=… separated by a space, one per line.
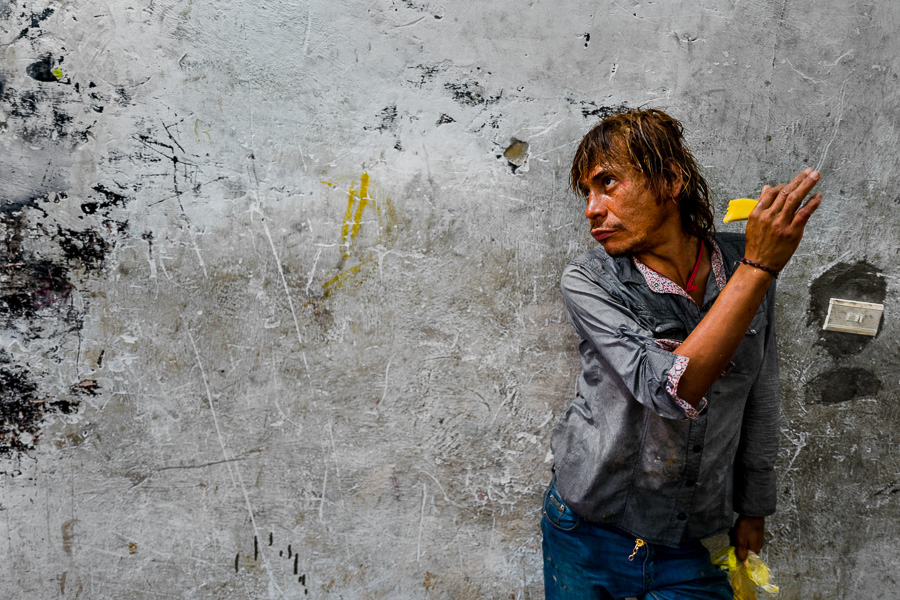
x=516 y=154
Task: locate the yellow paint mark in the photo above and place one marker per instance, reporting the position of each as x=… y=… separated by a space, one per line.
x=198 y=131
x=363 y=201
x=353 y=220
x=339 y=279
x=345 y=229
x=57 y=72
x=356 y=261
x=430 y=580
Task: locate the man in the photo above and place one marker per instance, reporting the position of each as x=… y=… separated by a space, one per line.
x=674 y=426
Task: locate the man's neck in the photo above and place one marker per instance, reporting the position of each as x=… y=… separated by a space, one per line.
x=675 y=257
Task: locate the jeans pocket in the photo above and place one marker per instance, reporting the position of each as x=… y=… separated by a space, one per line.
x=558 y=513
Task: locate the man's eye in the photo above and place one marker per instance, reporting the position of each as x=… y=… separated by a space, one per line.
x=608 y=181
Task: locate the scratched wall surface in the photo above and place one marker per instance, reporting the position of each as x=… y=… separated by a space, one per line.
x=278 y=282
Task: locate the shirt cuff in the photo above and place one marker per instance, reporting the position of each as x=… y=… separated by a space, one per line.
x=674 y=376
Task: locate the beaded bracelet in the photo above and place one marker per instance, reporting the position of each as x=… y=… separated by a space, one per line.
x=771 y=272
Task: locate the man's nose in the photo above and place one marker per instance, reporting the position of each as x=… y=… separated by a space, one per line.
x=596 y=206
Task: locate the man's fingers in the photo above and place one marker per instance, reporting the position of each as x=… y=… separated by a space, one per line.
x=776 y=196
x=795 y=198
x=740 y=552
x=807 y=210
x=791 y=195
x=768 y=195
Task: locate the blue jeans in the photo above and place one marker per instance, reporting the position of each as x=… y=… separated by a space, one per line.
x=585 y=561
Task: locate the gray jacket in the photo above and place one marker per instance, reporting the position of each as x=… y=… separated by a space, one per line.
x=625 y=455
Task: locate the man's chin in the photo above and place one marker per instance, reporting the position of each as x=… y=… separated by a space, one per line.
x=616 y=250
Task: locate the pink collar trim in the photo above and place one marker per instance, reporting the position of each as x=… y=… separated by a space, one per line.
x=661 y=284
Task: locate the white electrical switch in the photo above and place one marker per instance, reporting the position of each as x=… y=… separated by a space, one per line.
x=851 y=316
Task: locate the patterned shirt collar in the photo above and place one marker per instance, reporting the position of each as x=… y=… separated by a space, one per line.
x=663 y=285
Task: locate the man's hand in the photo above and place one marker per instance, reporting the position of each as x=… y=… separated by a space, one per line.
x=775 y=226
x=747 y=534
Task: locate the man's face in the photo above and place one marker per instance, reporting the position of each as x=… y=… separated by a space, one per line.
x=623 y=211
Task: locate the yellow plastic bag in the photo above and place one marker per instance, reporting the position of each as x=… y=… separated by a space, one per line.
x=747 y=576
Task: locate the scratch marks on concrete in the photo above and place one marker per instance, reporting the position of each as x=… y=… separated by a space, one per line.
x=235 y=473
x=287 y=290
x=837 y=123
x=421 y=522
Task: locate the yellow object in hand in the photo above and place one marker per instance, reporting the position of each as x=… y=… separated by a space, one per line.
x=739 y=209
x=747 y=576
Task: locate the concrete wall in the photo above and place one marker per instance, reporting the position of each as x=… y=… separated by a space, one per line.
x=279 y=304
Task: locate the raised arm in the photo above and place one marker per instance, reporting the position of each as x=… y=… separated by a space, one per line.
x=774 y=231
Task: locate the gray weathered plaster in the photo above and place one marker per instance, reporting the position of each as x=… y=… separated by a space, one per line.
x=228 y=373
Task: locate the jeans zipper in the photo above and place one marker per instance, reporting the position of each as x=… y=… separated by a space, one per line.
x=637 y=545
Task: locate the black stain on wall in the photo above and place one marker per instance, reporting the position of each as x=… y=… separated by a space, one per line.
x=35 y=20
x=426 y=74
x=387 y=118
x=22 y=410
x=30 y=283
x=110 y=199
x=86 y=247
x=848 y=281
x=592 y=109
x=42 y=69
x=841 y=385
x=39 y=266
x=290 y=555
x=40 y=116
x=470 y=93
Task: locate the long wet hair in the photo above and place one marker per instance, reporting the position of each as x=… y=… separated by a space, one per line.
x=651 y=143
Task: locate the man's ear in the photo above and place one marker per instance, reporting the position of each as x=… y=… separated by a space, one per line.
x=674 y=180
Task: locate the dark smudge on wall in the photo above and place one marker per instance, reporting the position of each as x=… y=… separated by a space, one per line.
x=859 y=281
x=22 y=409
x=841 y=385
x=42 y=69
x=39 y=270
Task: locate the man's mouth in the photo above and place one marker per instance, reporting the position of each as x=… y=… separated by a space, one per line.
x=601 y=233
